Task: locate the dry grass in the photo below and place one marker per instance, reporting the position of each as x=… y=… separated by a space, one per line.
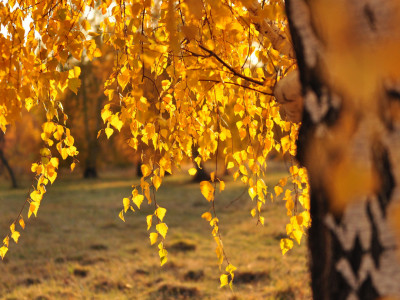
x=78 y=248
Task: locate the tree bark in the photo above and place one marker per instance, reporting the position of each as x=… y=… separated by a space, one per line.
x=349 y=141
x=4 y=161
x=90 y=163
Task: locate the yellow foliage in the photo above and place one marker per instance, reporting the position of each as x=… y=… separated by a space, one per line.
x=208 y=95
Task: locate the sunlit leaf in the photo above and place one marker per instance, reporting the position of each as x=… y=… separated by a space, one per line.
x=286 y=245
x=162 y=229
x=15 y=236
x=207 y=216
x=160 y=213
x=109 y=131
x=153 y=237
x=223 y=279
x=157 y=181
x=192 y=171
x=3 y=251
x=146 y=171
x=207 y=190
x=22 y=223
x=121 y=215
x=138 y=200
x=278 y=190
x=74 y=84
x=126 y=202
x=149 y=220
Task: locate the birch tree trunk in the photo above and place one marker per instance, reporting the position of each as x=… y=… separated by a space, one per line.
x=348 y=55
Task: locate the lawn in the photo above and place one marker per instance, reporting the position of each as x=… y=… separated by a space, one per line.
x=78 y=248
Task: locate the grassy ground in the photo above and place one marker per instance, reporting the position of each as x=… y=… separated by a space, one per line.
x=78 y=248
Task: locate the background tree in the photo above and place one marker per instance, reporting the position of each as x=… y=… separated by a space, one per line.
x=349 y=143
x=5 y=163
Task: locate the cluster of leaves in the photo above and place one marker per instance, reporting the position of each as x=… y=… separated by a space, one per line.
x=211 y=66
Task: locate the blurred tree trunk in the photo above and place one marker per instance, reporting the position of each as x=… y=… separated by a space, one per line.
x=90 y=164
x=349 y=141
x=5 y=163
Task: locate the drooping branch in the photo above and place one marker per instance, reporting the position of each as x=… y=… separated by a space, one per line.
x=234 y=72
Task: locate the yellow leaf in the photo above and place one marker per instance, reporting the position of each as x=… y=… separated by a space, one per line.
x=157 y=181
x=109 y=131
x=278 y=190
x=149 y=220
x=294 y=170
x=252 y=192
x=198 y=161
x=36 y=196
x=221 y=186
x=116 y=122
x=105 y=114
x=28 y=103
x=223 y=279
x=54 y=162
x=207 y=216
x=283 y=182
x=45 y=152
x=3 y=251
x=162 y=229
x=160 y=213
x=74 y=84
x=15 y=236
x=230 y=165
x=85 y=25
x=35 y=167
x=52 y=176
x=285 y=142
x=126 y=202
x=207 y=190
x=162 y=253
x=121 y=215
x=33 y=208
x=138 y=199
x=64 y=153
x=297 y=234
x=212 y=175
x=22 y=223
x=192 y=171
x=153 y=237
x=243 y=170
x=146 y=170
x=97 y=53
x=253 y=212
x=261 y=219
x=230 y=268
x=147 y=194
x=72 y=166
x=286 y=245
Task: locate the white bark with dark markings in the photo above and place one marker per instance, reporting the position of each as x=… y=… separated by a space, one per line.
x=354 y=253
